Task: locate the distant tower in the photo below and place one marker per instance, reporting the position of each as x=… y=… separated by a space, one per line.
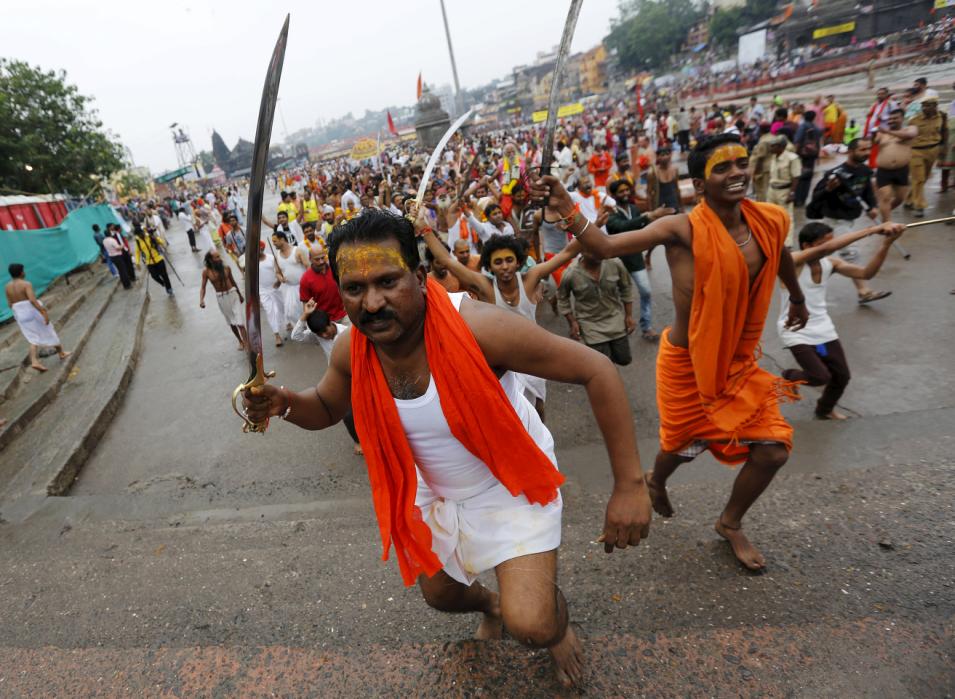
x=220 y=151
x=185 y=153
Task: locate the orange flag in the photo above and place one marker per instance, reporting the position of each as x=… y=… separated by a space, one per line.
x=419 y=84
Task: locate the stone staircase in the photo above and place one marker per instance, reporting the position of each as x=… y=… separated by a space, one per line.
x=54 y=417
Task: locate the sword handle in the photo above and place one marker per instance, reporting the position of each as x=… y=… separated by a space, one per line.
x=258 y=379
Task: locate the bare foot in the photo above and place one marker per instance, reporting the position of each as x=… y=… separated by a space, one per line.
x=357 y=450
x=278 y=340
x=745 y=552
x=492 y=625
x=658 y=497
x=568 y=655
x=834 y=415
x=3 y=421
x=242 y=347
x=38 y=366
x=64 y=354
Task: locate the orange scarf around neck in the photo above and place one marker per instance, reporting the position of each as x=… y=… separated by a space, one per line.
x=478 y=412
x=727 y=316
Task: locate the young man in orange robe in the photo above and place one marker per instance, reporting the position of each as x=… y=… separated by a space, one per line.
x=724 y=259
x=462 y=470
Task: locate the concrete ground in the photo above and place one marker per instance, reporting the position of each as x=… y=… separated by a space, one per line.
x=190 y=559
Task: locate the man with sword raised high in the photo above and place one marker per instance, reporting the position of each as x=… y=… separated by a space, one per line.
x=462 y=470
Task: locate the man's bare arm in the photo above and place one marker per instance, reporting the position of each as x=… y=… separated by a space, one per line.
x=798 y=314
x=470 y=280
x=801 y=257
x=511 y=342
x=314 y=408
x=202 y=289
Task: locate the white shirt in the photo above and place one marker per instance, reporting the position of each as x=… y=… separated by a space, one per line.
x=819 y=328
x=485 y=229
x=350 y=196
x=588 y=207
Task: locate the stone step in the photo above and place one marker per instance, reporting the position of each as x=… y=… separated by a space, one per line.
x=34 y=391
x=14 y=350
x=46 y=458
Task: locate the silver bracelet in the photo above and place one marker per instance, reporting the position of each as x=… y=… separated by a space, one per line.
x=288 y=410
x=587 y=222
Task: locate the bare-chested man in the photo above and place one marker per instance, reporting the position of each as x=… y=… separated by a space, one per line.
x=228 y=295
x=724 y=258
x=894 y=154
x=31 y=316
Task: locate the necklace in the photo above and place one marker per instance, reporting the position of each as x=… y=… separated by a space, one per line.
x=748 y=238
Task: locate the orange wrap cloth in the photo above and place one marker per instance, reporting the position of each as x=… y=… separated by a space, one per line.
x=480 y=417
x=715 y=391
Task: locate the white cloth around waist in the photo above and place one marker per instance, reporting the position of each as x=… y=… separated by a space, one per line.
x=34 y=328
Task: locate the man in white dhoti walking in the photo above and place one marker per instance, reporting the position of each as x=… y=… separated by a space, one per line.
x=228 y=295
x=32 y=317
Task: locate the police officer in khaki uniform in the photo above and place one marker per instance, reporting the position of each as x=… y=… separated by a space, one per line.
x=784 y=170
x=925 y=149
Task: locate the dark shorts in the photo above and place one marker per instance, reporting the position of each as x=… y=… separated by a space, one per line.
x=618 y=350
x=899 y=177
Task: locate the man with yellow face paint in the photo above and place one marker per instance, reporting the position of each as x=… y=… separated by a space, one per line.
x=462 y=470
x=724 y=259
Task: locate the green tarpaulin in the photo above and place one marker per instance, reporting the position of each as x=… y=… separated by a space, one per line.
x=48 y=253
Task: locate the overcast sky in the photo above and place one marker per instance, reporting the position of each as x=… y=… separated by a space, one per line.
x=202 y=63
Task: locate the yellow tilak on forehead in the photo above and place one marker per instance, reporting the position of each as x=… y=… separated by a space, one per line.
x=728 y=152
x=362 y=259
x=501 y=255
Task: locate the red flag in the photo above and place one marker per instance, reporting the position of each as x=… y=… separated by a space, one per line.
x=391 y=125
x=419 y=85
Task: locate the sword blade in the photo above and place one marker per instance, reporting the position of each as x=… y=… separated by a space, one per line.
x=436 y=153
x=551 y=124
x=260 y=158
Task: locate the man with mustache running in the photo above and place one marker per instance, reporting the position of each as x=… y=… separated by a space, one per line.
x=227 y=291
x=462 y=470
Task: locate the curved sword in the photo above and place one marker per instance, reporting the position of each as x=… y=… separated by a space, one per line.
x=551 y=124
x=260 y=157
x=435 y=154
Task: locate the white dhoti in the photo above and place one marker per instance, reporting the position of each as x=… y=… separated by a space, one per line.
x=291 y=301
x=274 y=307
x=230 y=306
x=34 y=328
x=474 y=535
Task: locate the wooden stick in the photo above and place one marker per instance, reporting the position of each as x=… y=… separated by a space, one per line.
x=929 y=223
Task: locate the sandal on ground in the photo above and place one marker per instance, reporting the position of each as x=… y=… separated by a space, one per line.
x=873 y=296
x=650 y=335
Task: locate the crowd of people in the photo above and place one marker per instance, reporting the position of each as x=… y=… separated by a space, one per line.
x=428 y=315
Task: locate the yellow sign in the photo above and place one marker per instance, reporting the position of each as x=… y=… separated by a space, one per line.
x=363 y=149
x=835 y=29
x=942 y=4
x=562 y=111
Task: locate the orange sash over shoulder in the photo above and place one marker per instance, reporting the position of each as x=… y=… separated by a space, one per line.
x=478 y=412
x=715 y=391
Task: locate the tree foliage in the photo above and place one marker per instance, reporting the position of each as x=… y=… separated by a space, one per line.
x=45 y=123
x=724 y=23
x=649 y=32
x=131 y=183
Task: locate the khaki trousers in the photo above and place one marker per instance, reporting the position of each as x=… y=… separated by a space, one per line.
x=761 y=185
x=778 y=196
x=920 y=169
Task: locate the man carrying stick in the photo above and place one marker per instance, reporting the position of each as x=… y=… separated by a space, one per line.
x=724 y=258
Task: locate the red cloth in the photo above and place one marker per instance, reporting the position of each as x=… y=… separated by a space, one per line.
x=478 y=412
x=324 y=290
x=599 y=166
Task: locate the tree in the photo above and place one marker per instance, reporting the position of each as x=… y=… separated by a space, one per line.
x=648 y=32
x=130 y=183
x=724 y=23
x=48 y=125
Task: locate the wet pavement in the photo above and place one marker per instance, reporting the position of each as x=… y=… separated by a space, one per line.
x=191 y=559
